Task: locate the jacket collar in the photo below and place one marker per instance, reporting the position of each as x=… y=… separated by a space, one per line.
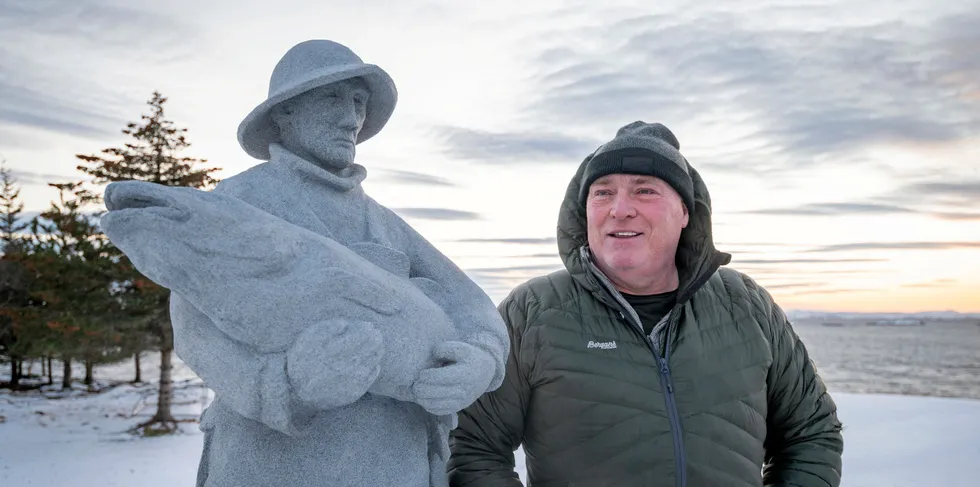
x=343 y=180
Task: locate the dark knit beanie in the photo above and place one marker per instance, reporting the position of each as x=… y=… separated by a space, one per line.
x=649 y=149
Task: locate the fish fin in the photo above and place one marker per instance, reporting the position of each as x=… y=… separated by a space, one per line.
x=387 y=258
x=363 y=292
x=434 y=291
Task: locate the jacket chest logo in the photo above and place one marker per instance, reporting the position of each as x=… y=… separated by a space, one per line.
x=603 y=345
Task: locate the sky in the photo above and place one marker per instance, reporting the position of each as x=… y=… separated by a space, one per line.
x=840 y=141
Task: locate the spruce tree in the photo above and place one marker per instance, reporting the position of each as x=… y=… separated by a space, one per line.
x=12 y=272
x=74 y=269
x=152 y=155
x=10 y=210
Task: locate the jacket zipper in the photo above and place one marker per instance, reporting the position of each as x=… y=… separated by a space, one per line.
x=680 y=457
x=675 y=419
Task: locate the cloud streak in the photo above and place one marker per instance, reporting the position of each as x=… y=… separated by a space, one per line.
x=965 y=190
x=833 y=209
x=498 y=281
x=963 y=194
x=444 y=214
x=933 y=283
x=793 y=272
x=896 y=246
x=807 y=292
x=96 y=23
x=27 y=107
x=502 y=148
x=795 y=285
x=957 y=216
x=736 y=261
x=516 y=269
x=800 y=93
x=859 y=208
x=31 y=178
x=511 y=241
x=415 y=178
x=56 y=89
x=537 y=256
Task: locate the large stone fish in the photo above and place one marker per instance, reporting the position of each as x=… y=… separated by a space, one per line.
x=263 y=280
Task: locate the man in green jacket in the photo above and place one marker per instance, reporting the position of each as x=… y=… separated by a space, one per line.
x=645 y=362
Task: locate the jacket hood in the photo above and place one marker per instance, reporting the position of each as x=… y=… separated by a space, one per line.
x=697 y=258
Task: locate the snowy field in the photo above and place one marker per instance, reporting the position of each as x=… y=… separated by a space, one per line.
x=81 y=440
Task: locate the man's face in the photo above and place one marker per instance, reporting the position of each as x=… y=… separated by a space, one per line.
x=322 y=124
x=634 y=225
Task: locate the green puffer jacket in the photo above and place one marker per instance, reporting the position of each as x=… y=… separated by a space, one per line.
x=723 y=393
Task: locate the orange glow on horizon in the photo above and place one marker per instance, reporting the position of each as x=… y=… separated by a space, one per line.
x=963 y=299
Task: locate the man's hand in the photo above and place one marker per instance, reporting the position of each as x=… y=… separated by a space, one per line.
x=464 y=377
x=333 y=363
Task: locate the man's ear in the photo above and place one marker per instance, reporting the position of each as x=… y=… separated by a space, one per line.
x=687 y=216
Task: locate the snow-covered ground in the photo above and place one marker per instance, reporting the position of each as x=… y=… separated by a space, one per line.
x=81 y=440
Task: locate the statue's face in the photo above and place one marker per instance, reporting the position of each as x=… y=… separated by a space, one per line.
x=322 y=124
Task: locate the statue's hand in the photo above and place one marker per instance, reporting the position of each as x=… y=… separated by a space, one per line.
x=334 y=362
x=464 y=377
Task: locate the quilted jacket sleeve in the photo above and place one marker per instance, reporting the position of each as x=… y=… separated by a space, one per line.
x=804 y=442
x=491 y=429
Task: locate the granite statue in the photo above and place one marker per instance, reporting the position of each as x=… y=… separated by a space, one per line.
x=339 y=342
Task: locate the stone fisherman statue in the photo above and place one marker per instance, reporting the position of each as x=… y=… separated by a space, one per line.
x=339 y=342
